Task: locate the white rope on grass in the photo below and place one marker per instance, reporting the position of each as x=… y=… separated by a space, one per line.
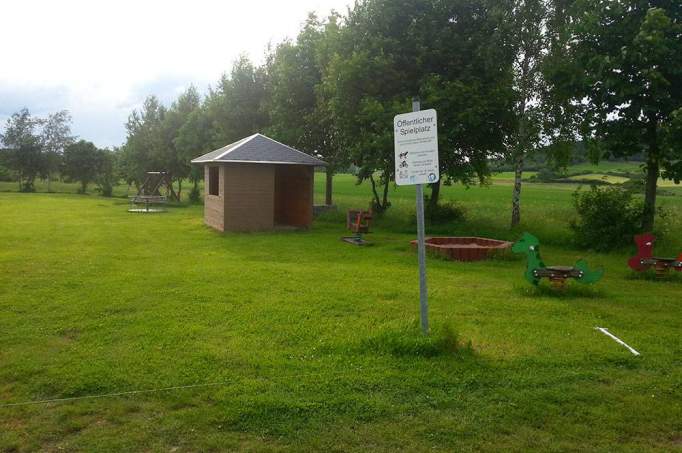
x=606 y=332
x=158 y=390
x=217 y=384
x=111 y=395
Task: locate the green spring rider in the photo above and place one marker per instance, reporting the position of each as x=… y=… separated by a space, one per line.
x=557 y=275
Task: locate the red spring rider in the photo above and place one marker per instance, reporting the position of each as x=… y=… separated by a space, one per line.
x=645 y=258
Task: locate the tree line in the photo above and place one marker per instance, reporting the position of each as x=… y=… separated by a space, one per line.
x=509 y=79
x=44 y=148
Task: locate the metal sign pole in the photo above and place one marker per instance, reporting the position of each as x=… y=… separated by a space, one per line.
x=423 y=296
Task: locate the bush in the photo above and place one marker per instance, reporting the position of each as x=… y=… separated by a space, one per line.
x=195 y=194
x=380 y=209
x=27 y=187
x=635 y=183
x=5 y=174
x=546 y=175
x=106 y=188
x=607 y=218
x=443 y=212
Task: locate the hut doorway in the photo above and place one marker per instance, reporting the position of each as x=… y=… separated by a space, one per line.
x=293 y=195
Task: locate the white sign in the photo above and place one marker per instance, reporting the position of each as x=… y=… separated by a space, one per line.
x=416 y=148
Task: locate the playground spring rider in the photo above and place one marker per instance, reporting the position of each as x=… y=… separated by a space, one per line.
x=358 y=222
x=557 y=275
x=644 y=259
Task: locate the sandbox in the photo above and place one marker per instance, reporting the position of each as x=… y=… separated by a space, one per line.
x=465 y=248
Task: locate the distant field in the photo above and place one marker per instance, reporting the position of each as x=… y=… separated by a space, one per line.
x=507 y=177
x=596 y=172
x=600 y=177
x=313 y=344
x=606 y=166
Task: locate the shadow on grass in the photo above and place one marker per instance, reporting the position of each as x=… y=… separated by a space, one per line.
x=571 y=291
x=409 y=341
x=337 y=216
x=650 y=276
x=496 y=256
x=506 y=255
x=627 y=362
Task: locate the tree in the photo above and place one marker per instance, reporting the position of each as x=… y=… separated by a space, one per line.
x=299 y=109
x=106 y=171
x=26 y=156
x=236 y=108
x=469 y=81
x=56 y=136
x=528 y=36
x=363 y=110
x=620 y=64
x=145 y=145
x=176 y=161
x=370 y=78
x=82 y=163
x=450 y=54
x=5 y=172
x=193 y=140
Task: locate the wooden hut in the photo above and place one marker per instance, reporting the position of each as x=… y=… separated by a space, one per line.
x=258 y=184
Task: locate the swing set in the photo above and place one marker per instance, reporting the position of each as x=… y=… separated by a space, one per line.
x=153 y=193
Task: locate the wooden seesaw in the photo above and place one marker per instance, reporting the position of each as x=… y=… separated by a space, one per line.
x=557 y=275
x=644 y=259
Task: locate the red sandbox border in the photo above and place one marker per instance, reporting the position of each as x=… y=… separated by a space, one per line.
x=464 y=248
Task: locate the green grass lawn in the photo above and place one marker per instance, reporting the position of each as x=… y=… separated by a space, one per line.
x=315 y=343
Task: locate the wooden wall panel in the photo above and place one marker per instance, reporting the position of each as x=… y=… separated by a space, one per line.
x=249 y=197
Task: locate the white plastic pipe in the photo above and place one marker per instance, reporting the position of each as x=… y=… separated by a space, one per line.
x=606 y=332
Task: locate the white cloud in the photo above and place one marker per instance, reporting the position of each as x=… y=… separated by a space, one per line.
x=101 y=58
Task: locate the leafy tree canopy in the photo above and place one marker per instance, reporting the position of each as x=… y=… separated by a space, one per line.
x=621 y=66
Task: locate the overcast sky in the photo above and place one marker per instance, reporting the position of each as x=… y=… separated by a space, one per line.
x=99 y=59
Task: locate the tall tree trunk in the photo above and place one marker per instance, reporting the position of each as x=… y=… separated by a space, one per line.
x=521 y=144
x=172 y=195
x=49 y=186
x=652 y=173
x=516 y=193
x=377 y=201
x=179 y=189
x=435 y=195
x=329 y=173
x=384 y=205
x=84 y=186
x=520 y=155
